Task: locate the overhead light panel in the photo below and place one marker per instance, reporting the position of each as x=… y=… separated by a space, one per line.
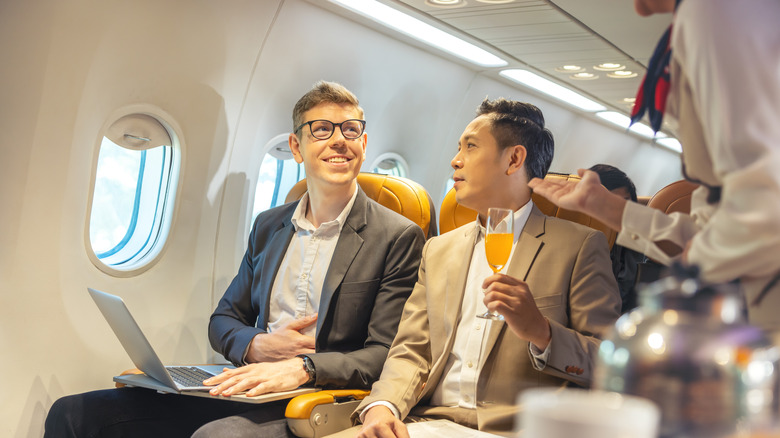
x=671 y=144
x=422 y=31
x=552 y=89
x=624 y=121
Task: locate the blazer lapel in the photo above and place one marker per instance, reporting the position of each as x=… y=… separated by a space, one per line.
x=456 y=279
x=528 y=247
x=461 y=251
x=347 y=248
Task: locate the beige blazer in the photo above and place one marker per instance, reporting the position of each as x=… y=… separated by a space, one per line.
x=568 y=269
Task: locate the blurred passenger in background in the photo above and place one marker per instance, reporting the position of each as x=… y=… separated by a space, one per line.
x=625 y=261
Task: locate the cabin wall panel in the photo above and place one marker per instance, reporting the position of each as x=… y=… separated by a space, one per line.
x=85 y=59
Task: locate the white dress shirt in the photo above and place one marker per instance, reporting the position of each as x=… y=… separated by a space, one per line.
x=458 y=386
x=298 y=284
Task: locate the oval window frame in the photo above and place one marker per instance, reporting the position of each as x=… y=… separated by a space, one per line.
x=395 y=156
x=174 y=131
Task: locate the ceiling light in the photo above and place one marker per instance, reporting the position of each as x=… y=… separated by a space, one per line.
x=629 y=99
x=422 y=31
x=671 y=144
x=552 y=89
x=616 y=118
x=569 y=69
x=445 y=3
x=609 y=66
x=622 y=74
x=624 y=121
x=584 y=76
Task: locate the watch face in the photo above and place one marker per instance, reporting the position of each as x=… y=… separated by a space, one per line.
x=308 y=366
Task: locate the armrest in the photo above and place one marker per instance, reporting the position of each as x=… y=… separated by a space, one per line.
x=322 y=413
x=126 y=372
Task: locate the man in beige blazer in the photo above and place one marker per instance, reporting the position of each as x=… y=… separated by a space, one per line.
x=557 y=295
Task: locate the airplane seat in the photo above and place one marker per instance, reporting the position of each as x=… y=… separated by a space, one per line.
x=453 y=215
x=399 y=194
x=675 y=197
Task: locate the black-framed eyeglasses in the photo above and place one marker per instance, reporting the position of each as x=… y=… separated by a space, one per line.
x=323 y=129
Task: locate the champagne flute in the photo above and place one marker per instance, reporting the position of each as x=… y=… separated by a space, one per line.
x=499 y=235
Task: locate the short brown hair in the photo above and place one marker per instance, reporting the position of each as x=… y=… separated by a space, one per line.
x=324 y=92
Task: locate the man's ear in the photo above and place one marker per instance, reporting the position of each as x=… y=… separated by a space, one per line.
x=517 y=156
x=295 y=147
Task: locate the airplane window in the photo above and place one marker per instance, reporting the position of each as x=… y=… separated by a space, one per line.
x=131 y=204
x=278 y=173
x=390 y=163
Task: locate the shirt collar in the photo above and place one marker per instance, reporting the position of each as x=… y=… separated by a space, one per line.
x=299 y=220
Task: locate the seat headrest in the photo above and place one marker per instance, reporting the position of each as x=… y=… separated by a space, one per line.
x=399 y=194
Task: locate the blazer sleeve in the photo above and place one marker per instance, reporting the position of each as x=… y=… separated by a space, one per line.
x=233 y=324
x=361 y=367
x=594 y=306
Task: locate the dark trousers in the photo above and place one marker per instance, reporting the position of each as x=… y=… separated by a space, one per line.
x=138 y=412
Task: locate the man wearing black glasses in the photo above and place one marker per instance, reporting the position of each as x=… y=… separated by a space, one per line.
x=316 y=300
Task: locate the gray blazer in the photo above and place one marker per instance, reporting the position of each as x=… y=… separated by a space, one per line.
x=371 y=274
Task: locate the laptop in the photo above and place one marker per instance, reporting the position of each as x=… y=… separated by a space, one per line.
x=171 y=379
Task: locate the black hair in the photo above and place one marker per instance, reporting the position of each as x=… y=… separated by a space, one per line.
x=520 y=123
x=613 y=178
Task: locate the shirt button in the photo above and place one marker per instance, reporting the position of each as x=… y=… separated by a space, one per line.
x=634 y=236
x=303 y=276
x=470 y=364
x=477 y=327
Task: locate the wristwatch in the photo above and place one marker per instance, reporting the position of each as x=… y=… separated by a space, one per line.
x=308 y=366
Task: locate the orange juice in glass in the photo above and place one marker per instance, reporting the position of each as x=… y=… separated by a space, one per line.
x=499 y=235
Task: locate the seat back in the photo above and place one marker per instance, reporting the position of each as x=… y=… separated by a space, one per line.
x=452 y=215
x=675 y=197
x=401 y=195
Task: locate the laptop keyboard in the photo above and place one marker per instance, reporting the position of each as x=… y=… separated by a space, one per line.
x=189 y=376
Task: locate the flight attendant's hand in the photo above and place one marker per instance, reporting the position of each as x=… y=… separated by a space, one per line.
x=586 y=196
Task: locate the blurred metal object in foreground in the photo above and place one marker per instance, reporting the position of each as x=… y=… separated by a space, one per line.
x=689 y=348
